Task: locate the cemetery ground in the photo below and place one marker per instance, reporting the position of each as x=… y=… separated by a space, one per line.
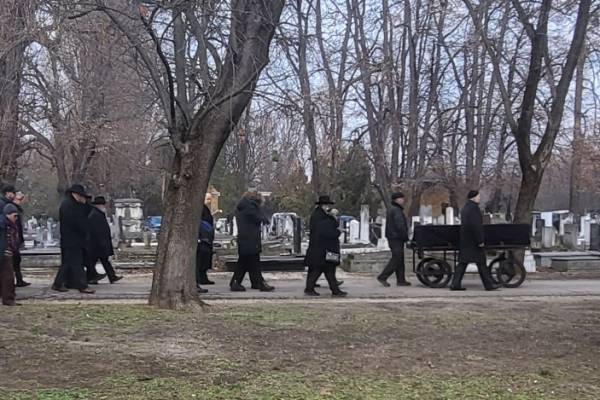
x=497 y=346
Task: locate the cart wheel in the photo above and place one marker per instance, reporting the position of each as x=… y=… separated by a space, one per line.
x=433 y=272
x=508 y=272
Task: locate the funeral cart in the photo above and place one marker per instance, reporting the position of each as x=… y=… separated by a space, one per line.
x=436 y=248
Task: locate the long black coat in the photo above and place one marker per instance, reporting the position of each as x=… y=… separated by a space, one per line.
x=73 y=223
x=471 y=234
x=250 y=218
x=99 y=238
x=206 y=233
x=324 y=236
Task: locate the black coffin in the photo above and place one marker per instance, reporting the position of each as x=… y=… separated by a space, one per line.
x=448 y=236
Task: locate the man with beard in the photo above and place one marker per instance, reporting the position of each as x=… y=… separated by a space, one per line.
x=99 y=240
x=250 y=218
x=323 y=253
x=471 y=244
x=73 y=237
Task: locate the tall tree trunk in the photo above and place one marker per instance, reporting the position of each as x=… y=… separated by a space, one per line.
x=252 y=26
x=13 y=42
x=578 y=139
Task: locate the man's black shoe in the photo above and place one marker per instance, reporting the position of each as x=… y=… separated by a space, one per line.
x=311 y=293
x=403 y=283
x=383 y=282
x=207 y=282
x=493 y=287
x=93 y=282
x=340 y=283
x=61 y=288
x=202 y=290
x=22 y=284
x=266 y=288
x=339 y=293
x=236 y=287
x=458 y=288
x=116 y=279
x=99 y=277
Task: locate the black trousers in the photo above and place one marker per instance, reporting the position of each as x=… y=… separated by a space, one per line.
x=7 y=280
x=71 y=273
x=482 y=268
x=110 y=271
x=250 y=264
x=314 y=272
x=396 y=263
x=203 y=264
x=16 y=261
x=90 y=266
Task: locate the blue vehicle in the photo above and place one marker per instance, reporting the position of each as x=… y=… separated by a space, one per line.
x=153 y=223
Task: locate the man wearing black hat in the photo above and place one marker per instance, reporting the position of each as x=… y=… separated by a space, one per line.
x=73 y=235
x=91 y=273
x=396 y=232
x=471 y=244
x=99 y=239
x=323 y=254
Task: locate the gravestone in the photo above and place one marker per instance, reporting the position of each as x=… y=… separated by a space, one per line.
x=354 y=231
x=364 y=223
x=569 y=239
x=382 y=243
x=594 y=236
x=449 y=216
x=548 y=237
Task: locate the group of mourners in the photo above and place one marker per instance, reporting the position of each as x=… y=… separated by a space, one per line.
x=85 y=239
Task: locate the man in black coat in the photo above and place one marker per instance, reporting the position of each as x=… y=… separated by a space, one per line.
x=396 y=232
x=100 y=246
x=92 y=275
x=18 y=201
x=73 y=238
x=9 y=244
x=323 y=254
x=250 y=219
x=471 y=244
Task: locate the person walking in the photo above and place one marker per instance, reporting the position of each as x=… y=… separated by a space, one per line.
x=73 y=239
x=396 y=232
x=100 y=246
x=204 y=250
x=91 y=273
x=471 y=244
x=9 y=244
x=323 y=253
x=8 y=195
x=250 y=218
x=18 y=201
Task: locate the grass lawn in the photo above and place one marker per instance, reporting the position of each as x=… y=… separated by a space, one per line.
x=479 y=349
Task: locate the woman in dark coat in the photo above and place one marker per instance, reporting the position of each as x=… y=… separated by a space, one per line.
x=323 y=254
x=471 y=244
x=250 y=219
x=204 y=251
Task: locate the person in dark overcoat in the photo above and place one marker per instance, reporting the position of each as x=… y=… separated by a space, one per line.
x=100 y=246
x=73 y=240
x=18 y=202
x=396 y=232
x=9 y=244
x=250 y=218
x=8 y=195
x=92 y=275
x=204 y=250
x=323 y=254
x=471 y=244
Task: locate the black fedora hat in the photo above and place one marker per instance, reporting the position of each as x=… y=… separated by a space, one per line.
x=324 y=200
x=78 y=189
x=99 y=200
